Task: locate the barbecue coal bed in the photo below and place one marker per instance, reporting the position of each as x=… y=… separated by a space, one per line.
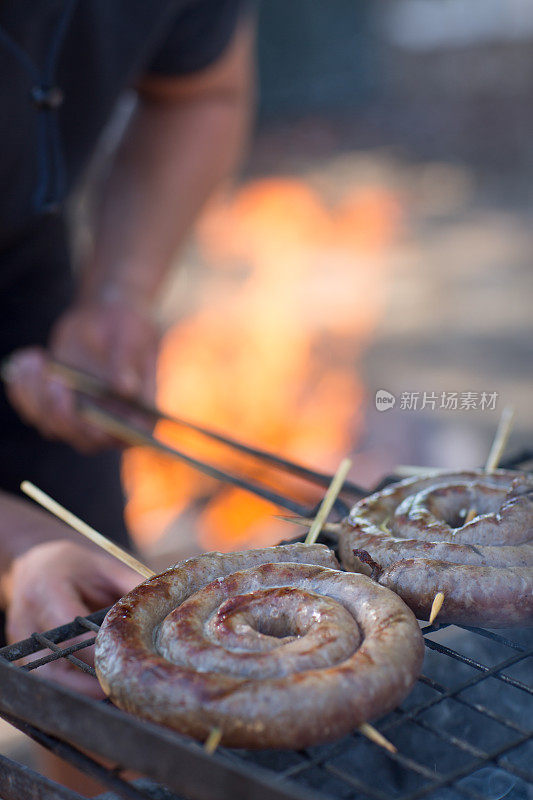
x=465 y=731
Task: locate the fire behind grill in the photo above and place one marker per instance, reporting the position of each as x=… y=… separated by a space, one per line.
x=464 y=731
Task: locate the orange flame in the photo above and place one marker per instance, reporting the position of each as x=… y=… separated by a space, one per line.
x=294 y=292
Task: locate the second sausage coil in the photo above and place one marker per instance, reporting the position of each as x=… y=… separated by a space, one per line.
x=413 y=538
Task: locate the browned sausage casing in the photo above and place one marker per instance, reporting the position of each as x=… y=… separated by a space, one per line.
x=276 y=647
x=414 y=531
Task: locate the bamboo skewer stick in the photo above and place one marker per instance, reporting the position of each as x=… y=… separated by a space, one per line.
x=470 y=516
x=328 y=501
x=90 y=533
x=498 y=446
x=436 y=606
x=317 y=524
x=375 y=736
x=500 y=439
x=213 y=740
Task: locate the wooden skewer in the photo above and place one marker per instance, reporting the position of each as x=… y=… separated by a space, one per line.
x=375 y=736
x=436 y=606
x=500 y=439
x=213 y=740
x=470 y=516
x=498 y=446
x=328 y=501
x=75 y=522
x=318 y=523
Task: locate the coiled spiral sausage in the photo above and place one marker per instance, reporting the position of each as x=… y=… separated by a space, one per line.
x=276 y=647
x=414 y=532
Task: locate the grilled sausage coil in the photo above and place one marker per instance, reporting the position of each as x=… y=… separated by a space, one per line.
x=276 y=647
x=414 y=532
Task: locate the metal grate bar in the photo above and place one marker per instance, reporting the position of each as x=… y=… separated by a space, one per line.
x=515 y=770
x=87 y=623
x=422 y=792
x=18 y=781
x=492 y=671
x=356 y=784
x=462 y=772
x=26 y=647
x=81 y=761
x=494 y=637
x=469 y=748
x=449 y=693
x=59 y=654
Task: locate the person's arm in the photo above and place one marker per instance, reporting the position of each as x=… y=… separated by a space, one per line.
x=184 y=139
x=22 y=526
x=186 y=136
x=48 y=578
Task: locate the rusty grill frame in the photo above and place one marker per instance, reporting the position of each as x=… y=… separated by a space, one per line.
x=69 y=725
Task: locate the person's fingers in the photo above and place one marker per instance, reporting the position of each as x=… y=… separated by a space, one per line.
x=50 y=586
x=134 y=356
x=126 y=339
x=56 y=608
x=123 y=580
x=61 y=605
x=67 y=604
x=125 y=374
x=25 y=376
x=47 y=403
x=19 y=623
x=59 y=414
x=109 y=581
x=40 y=607
x=61 y=409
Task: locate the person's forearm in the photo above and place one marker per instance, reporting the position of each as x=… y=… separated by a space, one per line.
x=173 y=155
x=22 y=526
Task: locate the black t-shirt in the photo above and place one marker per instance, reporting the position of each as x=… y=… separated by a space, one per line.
x=91 y=50
x=87 y=52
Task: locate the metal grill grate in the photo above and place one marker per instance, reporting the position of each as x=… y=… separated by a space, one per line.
x=464 y=731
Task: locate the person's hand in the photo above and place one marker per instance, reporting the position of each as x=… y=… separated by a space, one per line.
x=51 y=584
x=112 y=340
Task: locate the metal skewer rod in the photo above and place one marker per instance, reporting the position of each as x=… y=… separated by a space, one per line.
x=130 y=434
x=91 y=385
